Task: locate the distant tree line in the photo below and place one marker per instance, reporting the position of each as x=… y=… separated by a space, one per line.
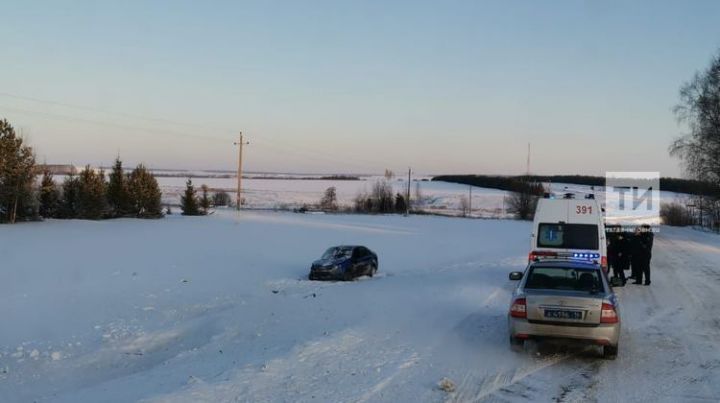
x=89 y=195
x=86 y=195
x=380 y=200
x=688 y=186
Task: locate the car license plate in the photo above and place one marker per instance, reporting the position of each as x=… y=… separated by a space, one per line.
x=562 y=314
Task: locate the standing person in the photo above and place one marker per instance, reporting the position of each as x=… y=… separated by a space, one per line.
x=636 y=256
x=646 y=243
x=622 y=259
x=613 y=251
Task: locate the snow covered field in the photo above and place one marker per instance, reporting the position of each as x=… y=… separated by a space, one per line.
x=294 y=193
x=283 y=193
x=438 y=197
x=218 y=309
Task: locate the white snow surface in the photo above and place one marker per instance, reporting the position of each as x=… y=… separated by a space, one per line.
x=218 y=309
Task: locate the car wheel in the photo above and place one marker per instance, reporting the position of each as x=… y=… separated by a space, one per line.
x=517 y=345
x=610 y=352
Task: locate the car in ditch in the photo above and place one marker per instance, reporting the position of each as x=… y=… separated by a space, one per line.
x=565 y=299
x=344 y=262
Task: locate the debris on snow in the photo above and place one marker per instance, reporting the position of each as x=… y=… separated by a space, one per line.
x=446 y=385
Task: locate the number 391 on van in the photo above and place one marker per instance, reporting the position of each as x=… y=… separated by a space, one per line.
x=569 y=228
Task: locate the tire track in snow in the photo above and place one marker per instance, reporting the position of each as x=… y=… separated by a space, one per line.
x=662 y=339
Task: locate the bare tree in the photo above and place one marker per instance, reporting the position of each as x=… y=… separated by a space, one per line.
x=699 y=148
x=380 y=199
x=419 y=197
x=329 y=200
x=523 y=200
x=221 y=198
x=675 y=214
x=382 y=196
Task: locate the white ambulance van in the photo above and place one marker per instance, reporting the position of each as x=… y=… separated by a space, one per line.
x=567 y=227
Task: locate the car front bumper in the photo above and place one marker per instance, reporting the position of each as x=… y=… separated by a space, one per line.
x=603 y=334
x=325 y=275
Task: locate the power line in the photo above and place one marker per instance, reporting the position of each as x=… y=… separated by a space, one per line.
x=293 y=150
x=115 y=125
x=120 y=114
x=262 y=142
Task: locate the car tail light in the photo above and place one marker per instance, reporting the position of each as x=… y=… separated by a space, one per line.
x=518 y=309
x=608 y=314
x=538 y=254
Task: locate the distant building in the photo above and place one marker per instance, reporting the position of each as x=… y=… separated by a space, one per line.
x=57 y=169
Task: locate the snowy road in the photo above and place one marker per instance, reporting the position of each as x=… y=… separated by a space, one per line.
x=217 y=309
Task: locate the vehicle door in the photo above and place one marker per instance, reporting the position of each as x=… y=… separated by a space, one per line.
x=362 y=261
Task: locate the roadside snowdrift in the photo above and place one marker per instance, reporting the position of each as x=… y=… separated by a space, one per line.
x=218 y=309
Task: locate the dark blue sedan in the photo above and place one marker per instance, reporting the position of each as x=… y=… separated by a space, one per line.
x=344 y=263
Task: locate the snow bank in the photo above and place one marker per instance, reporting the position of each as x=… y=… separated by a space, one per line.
x=218 y=309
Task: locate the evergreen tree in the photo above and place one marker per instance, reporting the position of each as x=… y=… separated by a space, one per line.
x=17 y=164
x=188 y=201
x=118 y=192
x=205 y=199
x=144 y=193
x=92 y=196
x=70 y=195
x=49 y=196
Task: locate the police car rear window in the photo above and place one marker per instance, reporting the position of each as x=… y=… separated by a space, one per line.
x=567 y=236
x=561 y=278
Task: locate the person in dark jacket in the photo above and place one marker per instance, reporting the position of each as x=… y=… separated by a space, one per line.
x=642 y=254
x=613 y=251
x=622 y=253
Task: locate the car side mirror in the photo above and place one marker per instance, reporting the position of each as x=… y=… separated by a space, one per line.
x=516 y=275
x=616 y=282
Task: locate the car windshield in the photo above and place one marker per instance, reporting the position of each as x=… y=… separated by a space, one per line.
x=568 y=236
x=564 y=278
x=337 y=253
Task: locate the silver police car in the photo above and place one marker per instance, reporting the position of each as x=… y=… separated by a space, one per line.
x=565 y=299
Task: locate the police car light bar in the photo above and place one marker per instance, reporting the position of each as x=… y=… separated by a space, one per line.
x=536 y=256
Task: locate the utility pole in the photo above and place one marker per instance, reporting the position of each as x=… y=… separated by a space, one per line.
x=407 y=205
x=240 y=145
x=470 y=201
x=528 y=162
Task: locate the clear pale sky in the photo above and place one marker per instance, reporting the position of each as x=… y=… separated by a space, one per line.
x=354 y=86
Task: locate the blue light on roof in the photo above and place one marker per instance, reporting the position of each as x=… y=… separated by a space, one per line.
x=585 y=255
